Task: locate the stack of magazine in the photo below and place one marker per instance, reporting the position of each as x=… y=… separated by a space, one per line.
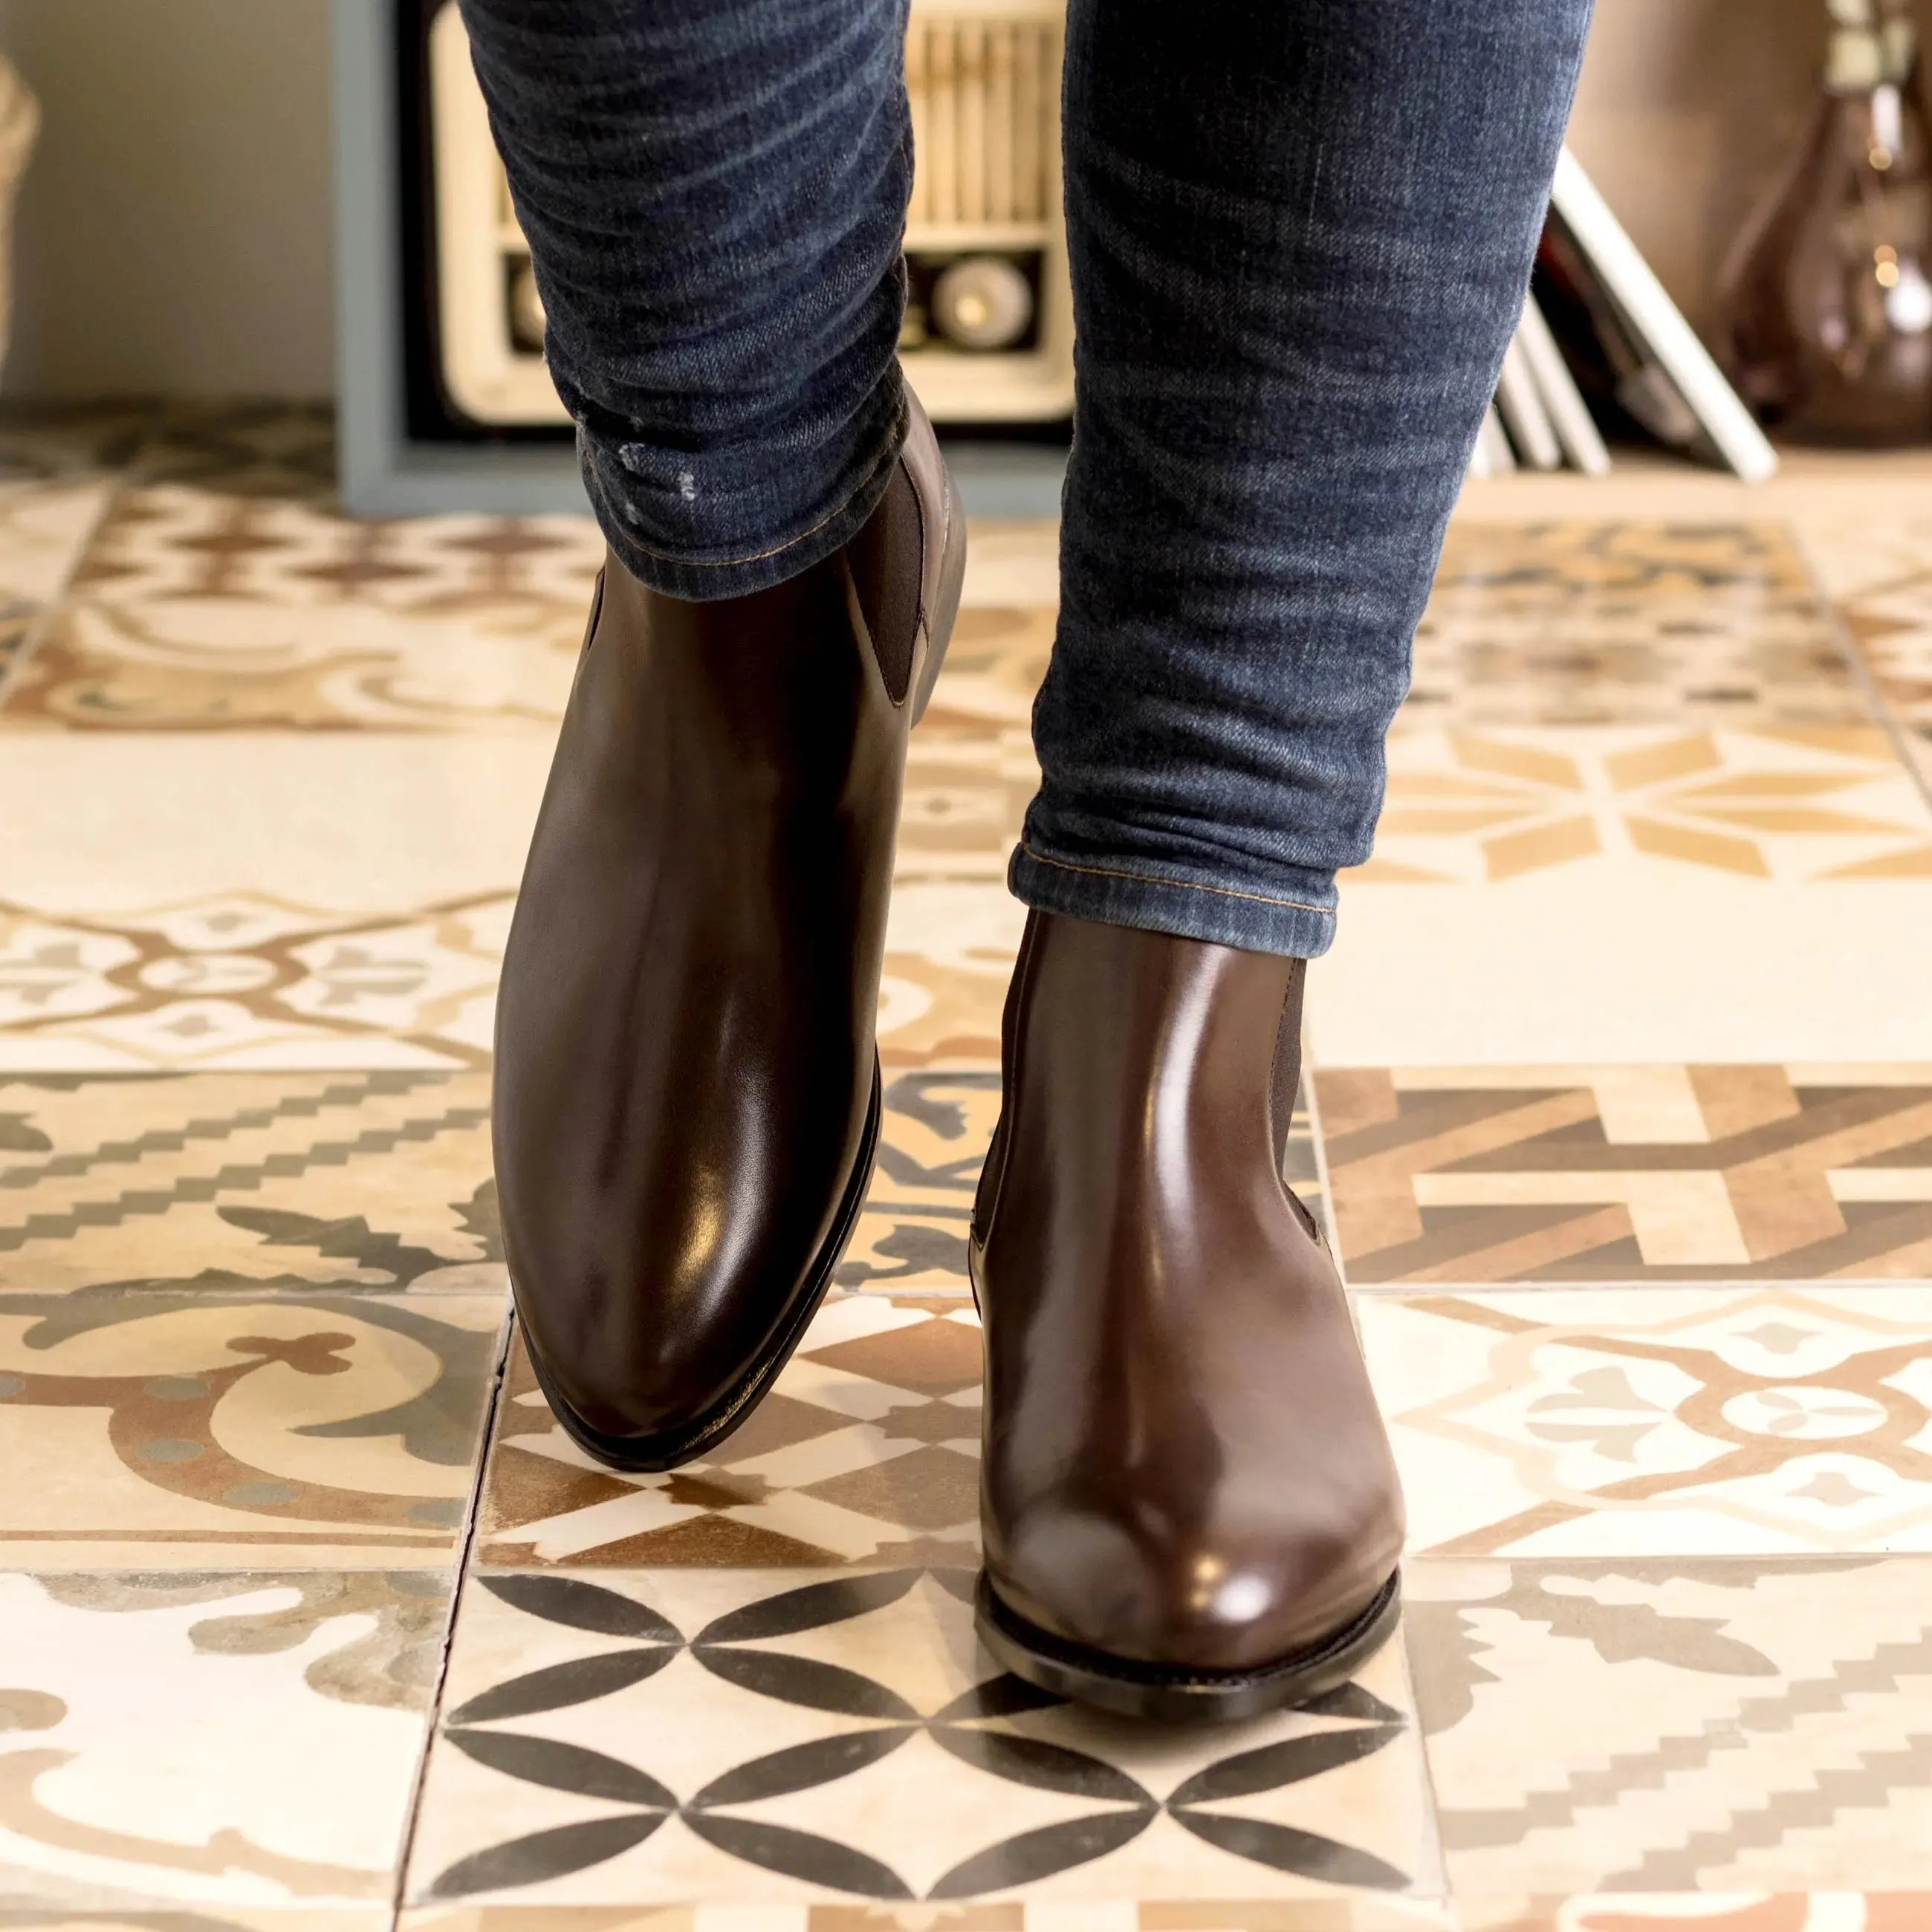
x=1601 y=346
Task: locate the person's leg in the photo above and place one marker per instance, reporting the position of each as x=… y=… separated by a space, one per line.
x=714 y=193
x=686 y=1096
x=1300 y=234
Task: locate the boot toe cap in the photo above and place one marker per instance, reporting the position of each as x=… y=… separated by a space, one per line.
x=1226 y=1602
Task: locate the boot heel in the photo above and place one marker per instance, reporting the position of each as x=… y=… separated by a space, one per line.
x=951 y=581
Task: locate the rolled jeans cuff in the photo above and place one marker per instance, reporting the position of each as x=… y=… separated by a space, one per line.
x=1300 y=924
x=617 y=475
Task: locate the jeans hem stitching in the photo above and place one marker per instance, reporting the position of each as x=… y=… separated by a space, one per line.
x=901 y=423
x=1186 y=885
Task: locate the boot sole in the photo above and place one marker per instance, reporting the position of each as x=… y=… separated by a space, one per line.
x=1173 y=1696
x=672 y=1447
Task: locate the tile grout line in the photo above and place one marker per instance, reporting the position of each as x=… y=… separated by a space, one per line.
x=466 y=1543
x=30 y=641
x=1431 y=1799
x=1888 y=720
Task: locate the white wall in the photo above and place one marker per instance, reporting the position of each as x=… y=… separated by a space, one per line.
x=174 y=229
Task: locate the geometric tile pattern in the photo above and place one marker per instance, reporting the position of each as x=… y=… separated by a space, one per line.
x=1640 y=1422
x=1650 y=867
x=743 y=1738
x=240 y=980
x=247 y=1740
x=1677 y=1726
x=249 y=1181
x=1596 y=623
x=176 y=1431
x=1628 y=1173
x=866 y=1451
x=1635 y=892
x=1776 y=803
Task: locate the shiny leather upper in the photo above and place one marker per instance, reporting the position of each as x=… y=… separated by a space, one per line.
x=1184 y=1464
x=684 y=1061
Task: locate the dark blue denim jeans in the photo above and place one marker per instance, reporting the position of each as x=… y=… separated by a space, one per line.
x=1299 y=232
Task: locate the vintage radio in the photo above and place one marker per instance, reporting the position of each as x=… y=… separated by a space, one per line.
x=988 y=335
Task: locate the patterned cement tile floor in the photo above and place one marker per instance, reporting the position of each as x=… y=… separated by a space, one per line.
x=1620 y=1106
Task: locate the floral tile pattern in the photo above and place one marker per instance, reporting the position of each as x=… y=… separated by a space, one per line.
x=1618 y=1013
x=1677 y=1727
x=199 y=609
x=247 y=1181
x=1593 y=623
x=178 y=1431
x=243 y=1740
x=1637 y=1422
x=867 y=1450
x=1805 y=802
x=1630 y=1173
x=273 y=913
x=715 y=1736
x=1592 y=894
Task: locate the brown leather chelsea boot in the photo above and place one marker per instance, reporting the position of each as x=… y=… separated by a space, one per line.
x=687 y=1090
x=1190 y=1507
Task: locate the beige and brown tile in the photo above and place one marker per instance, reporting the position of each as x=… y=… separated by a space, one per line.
x=950 y=946
x=866 y=1451
x=1540 y=896
x=247 y=1181
x=1678 y=1727
x=257 y=900
x=242 y=1742
x=1639 y=1422
x=45 y=525
x=1800 y=802
x=269 y=447
x=180 y=1432
x=53 y=441
x=46 y=517
x=203 y=610
x=1612 y=623
x=1629 y=1172
x=706 y=1739
x=934 y=1130
x=1879 y=572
